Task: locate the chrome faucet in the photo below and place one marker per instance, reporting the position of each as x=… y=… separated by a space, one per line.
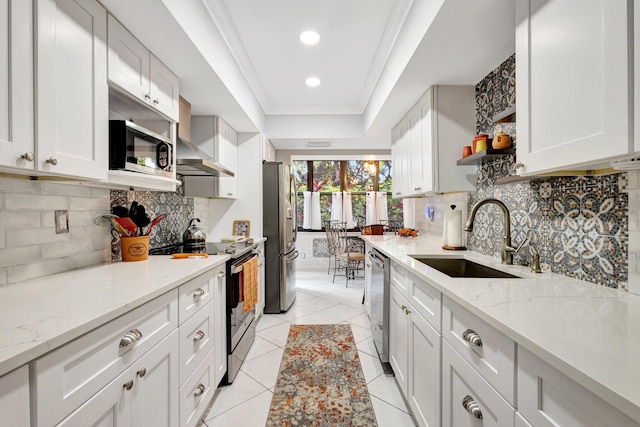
x=507 y=250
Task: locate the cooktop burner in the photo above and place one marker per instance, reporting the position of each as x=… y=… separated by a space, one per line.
x=211 y=248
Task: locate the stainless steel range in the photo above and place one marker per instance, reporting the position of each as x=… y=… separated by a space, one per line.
x=241 y=328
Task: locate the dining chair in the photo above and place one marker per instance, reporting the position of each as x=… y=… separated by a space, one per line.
x=348 y=251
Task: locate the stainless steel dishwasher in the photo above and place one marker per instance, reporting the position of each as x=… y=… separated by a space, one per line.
x=380 y=284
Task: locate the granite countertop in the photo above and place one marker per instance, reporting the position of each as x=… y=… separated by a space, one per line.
x=39 y=315
x=589 y=332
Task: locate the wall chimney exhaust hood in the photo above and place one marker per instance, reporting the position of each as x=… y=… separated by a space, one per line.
x=191 y=161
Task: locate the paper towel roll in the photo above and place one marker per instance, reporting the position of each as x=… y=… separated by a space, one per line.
x=452 y=233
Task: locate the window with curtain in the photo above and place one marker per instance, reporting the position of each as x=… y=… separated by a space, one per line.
x=354 y=176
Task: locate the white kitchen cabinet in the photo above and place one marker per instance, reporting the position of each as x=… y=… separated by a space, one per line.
x=197 y=392
x=490 y=352
x=16 y=77
x=423 y=393
x=547 y=397
x=145 y=394
x=14 y=398
x=197 y=337
x=399 y=339
x=67 y=377
x=137 y=72
x=573 y=83
x=71 y=88
x=399 y=158
x=521 y=421
x=213 y=139
x=467 y=399
x=428 y=141
x=414 y=355
x=220 y=324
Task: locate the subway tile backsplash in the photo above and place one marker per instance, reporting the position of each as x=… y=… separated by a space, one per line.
x=29 y=246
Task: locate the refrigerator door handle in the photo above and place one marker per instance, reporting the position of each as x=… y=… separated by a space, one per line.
x=295 y=254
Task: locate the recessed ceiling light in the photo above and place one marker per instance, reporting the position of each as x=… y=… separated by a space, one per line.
x=309 y=37
x=317 y=144
x=312 y=82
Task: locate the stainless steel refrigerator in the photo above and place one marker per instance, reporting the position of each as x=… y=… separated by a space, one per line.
x=281 y=229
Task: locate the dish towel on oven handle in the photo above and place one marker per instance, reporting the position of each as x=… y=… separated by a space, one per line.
x=249 y=284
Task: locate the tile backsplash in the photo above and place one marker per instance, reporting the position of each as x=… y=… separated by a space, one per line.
x=580 y=226
x=178 y=209
x=29 y=245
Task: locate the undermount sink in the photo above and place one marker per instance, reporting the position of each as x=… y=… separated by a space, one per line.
x=460 y=267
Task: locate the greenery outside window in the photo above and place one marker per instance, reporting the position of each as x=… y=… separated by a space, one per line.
x=354 y=176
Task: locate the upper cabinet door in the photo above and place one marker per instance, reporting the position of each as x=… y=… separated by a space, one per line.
x=573 y=91
x=129 y=62
x=16 y=77
x=72 y=94
x=164 y=89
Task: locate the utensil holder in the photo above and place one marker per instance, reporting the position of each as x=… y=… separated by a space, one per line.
x=134 y=248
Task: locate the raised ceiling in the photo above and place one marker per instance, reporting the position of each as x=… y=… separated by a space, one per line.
x=242 y=60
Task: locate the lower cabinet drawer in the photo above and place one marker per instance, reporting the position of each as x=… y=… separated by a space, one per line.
x=490 y=352
x=467 y=398
x=547 y=397
x=195 y=294
x=196 y=340
x=197 y=392
x=66 y=377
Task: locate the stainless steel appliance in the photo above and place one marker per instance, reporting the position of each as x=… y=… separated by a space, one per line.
x=241 y=327
x=280 y=228
x=380 y=300
x=134 y=148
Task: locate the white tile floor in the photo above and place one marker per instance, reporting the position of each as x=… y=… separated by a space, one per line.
x=246 y=402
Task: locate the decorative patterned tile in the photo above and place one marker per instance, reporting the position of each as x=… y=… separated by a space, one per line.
x=320 y=248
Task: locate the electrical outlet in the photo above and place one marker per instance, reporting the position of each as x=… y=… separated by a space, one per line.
x=62 y=221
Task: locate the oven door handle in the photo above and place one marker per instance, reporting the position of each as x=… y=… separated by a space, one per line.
x=235 y=269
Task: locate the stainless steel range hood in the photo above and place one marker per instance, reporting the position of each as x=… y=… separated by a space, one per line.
x=201 y=167
x=192 y=161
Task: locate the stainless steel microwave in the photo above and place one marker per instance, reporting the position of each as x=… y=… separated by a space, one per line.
x=134 y=148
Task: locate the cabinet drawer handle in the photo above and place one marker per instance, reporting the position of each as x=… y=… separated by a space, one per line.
x=221 y=275
x=198 y=293
x=472 y=337
x=130 y=337
x=199 y=390
x=472 y=407
x=28 y=156
x=142 y=372
x=198 y=336
x=128 y=385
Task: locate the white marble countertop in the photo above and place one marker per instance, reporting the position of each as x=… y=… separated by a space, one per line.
x=589 y=332
x=39 y=315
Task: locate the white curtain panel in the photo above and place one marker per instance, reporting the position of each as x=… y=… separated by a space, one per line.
x=311 y=219
x=409 y=213
x=347 y=209
x=371 y=214
x=381 y=207
x=336 y=206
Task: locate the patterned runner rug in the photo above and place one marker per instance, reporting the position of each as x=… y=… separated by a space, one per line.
x=320 y=382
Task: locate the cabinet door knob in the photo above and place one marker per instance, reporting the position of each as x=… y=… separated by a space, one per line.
x=198 y=336
x=128 y=385
x=407 y=311
x=147 y=96
x=142 y=372
x=156 y=101
x=472 y=337
x=28 y=156
x=472 y=407
x=198 y=293
x=52 y=161
x=199 y=390
x=221 y=275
